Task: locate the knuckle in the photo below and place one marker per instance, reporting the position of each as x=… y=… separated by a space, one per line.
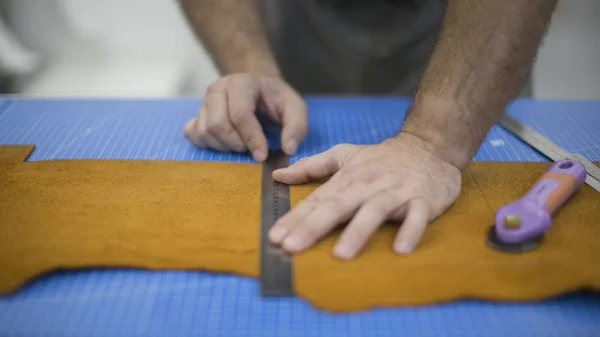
x=198 y=137
x=239 y=148
x=236 y=144
x=386 y=200
x=407 y=191
x=301 y=104
x=214 y=88
x=190 y=127
x=216 y=126
x=238 y=80
x=341 y=201
x=283 y=221
x=253 y=141
x=301 y=128
x=239 y=116
x=199 y=131
x=368 y=175
x=357 y=234
x=302 y=160
x=309 y=233
x=337 y=148
x=313 y=198
x=278 y=101
x=341 y=148
x=396 y=194
x=303 y=125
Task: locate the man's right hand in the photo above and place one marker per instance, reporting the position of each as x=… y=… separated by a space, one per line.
x=227 y=120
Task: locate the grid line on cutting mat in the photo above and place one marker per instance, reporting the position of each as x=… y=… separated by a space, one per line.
x=171 y=303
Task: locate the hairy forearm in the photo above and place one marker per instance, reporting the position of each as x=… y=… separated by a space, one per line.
x=485 y=49
x=232 y=31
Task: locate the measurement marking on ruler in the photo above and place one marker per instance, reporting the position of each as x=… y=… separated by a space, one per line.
x=275 y=265
x=549 y=149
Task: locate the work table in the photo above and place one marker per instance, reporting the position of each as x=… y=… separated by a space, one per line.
x=142 y=303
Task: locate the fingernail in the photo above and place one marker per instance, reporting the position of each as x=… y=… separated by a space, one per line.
x=258 y=155
x=403 y=247
x=279 y=170
x=277 y=234
x=292 y=243
x=292 y=146
x=342 y=252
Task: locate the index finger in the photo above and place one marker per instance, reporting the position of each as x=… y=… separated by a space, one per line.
x=242 y=106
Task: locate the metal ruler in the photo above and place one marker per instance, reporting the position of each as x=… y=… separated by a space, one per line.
x=549 y=149
x=275 y=264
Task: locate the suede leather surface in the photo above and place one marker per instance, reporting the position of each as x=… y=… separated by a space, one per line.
x=186 y=215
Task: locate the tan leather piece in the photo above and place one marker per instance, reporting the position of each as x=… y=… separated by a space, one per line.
x=205 y=216
x=14 y=153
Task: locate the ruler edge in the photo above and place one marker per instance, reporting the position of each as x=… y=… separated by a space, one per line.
x=591 y=180
x=266 y=247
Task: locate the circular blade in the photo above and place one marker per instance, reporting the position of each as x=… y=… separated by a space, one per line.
x=520 y=247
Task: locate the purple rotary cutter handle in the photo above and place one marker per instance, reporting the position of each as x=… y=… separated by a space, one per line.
x=520 y=225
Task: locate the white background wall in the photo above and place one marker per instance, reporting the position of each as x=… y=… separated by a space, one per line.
x=568 y=65
x=110 y=48
x=146 y=48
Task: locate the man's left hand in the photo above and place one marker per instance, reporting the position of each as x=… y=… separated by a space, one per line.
x=400 y=179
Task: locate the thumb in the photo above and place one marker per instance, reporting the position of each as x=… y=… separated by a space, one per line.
x=319 y=166
x=294 y=125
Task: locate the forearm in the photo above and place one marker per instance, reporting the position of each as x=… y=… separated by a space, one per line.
x=485 y=49
x=232 y=31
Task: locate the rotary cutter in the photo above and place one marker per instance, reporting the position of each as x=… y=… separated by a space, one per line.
x=520 y=225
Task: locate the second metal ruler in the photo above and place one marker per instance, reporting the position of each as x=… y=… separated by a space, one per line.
x=549 y=149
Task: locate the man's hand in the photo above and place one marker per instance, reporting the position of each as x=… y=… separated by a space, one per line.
x=227 y=120
x=400 y=180
x=233 y=32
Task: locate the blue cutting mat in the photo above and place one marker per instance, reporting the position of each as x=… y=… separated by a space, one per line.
x=141 y=303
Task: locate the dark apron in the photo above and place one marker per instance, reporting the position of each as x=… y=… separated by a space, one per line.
x=353 y=46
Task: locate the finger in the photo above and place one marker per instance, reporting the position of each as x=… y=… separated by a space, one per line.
x=194 y=130
x=413 y=227
x=369 y=217
x=190 y=131
x=242 y=106
x=295 y=124
x=286 y=223
x=204 y=136
x=315 y=167
x=324 y=217
x=293 y=218
x=218 y=124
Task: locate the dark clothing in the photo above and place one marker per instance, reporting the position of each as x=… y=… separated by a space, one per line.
x=353 y=46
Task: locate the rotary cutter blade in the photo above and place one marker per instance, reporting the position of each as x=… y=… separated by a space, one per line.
x=509 y=247
x=520 y=225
